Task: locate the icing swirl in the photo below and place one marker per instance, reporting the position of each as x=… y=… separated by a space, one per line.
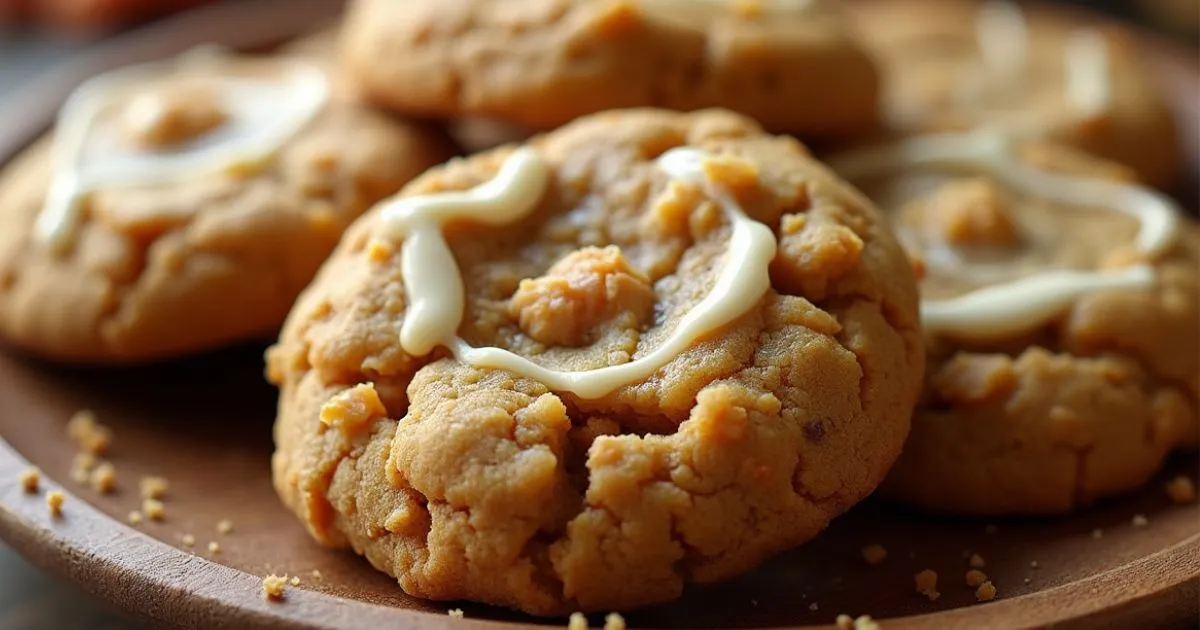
x=258 y=115
x=434 y=285
x=1011 y=308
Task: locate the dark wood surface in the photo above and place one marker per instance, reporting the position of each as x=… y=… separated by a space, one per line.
x=205 y=425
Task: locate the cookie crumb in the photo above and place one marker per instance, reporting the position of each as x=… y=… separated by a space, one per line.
x=188 y=540
x=153 y=487
x=1181 y=490
x=457 y=613
x=91 y=436
x=1033 y=564
x=874 y=554
x=316 y=575
x=1028 y=580
x=214 y=547
x=154 y=509
x=577 y=622
x=54 y=501
x=845 y=622
x=813 y=607
x=29 y=479
x=1140 y=520
x=614 y=621
x=295 y=580
x=990 y=529
x=927 y=584
x=104 y=478
x=865 y=622
x=224 y=526
x=274 y=587
x=976 y=561
x=135 y=518
x=986 y=592
x=1097 y=533
x=975 y=577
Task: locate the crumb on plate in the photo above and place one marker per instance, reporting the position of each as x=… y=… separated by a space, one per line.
x=865 y=622
x=1140 y=520
x=214 y=547
x=153 y=487
x=975 y=577
x=813 y=607
x=135 y=518
x=976 y=561
x=188 y=540
x=54 y=501
x=104 y=478
x=86 y=432
x=316 y=575
x=29 y=479
x=874 y=554
x=1097 y=533
x=1033 y=564
x=154 y=509
x=577 y=622
x=457 y=613
x=986 y=592
x=295 y=581
x=926 y=582
x=614 y=621
x=274 y=587
x=224 y=526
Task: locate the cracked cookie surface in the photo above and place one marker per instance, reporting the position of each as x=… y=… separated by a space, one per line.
x=163 y=270
x=479 y=484
x=1085 y=407
x=537 y=64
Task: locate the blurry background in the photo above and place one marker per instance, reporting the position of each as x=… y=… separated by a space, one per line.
x=36 y=34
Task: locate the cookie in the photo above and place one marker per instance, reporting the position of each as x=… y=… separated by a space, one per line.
x=183 y=205
x=538 y=64
x=644 y=350
x=1040 y=73
x=1061 y=305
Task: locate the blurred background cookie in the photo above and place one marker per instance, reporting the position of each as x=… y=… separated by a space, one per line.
x=182 y=205
x=1061 y=320
x=537 y=64
x=1028 y=69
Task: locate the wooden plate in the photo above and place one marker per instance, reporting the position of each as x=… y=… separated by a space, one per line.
x=205 y=424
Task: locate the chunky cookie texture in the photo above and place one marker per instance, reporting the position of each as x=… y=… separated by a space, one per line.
x=937 y=78
x=164 y=270
x=538 y=64
x=477 y=484
x=1088 y=406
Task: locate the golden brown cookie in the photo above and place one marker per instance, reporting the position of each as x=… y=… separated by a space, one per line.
x=184 y=205
x=537 y=64
x=1085 y=400
x=489 y=485
x=950 y=65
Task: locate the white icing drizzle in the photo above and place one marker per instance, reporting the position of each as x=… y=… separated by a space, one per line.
x=1011 y=308
x=1087 y=66
x=88 y=156
x=434 y=284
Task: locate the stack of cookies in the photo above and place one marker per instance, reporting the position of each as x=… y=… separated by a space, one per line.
x=571 y=314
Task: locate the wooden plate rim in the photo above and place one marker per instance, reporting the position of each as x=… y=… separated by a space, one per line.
x=165 y=585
